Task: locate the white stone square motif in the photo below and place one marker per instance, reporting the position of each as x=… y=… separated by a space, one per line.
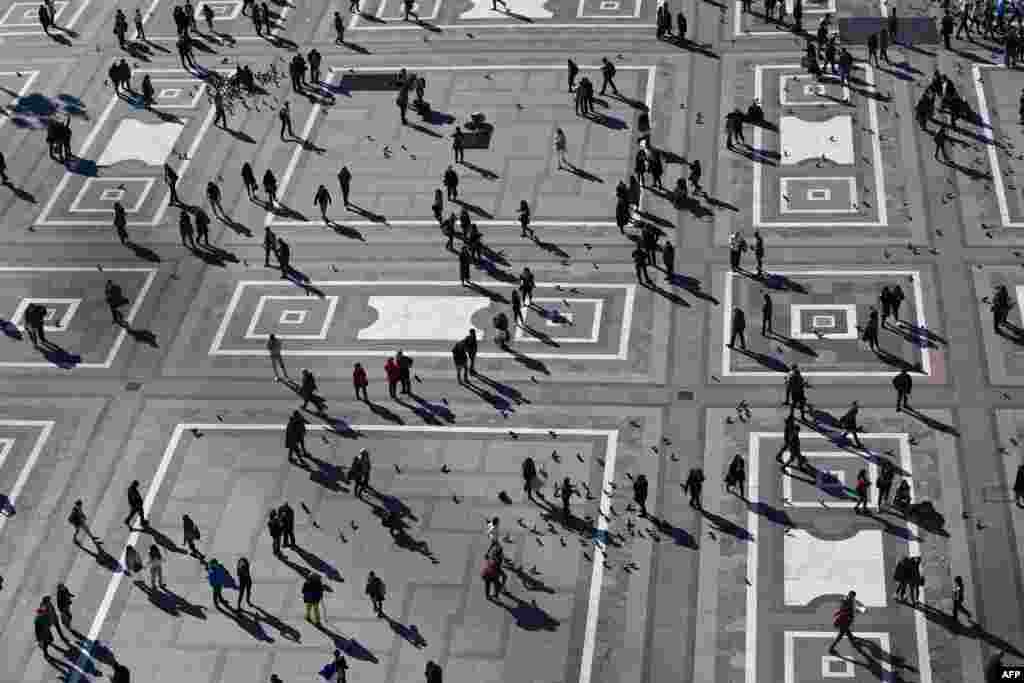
x=801 y=140
x=134 y=140
x=69 y=306
x=415 y=317
x=111 y=189
x=292 y=317
x=169 y=93
x=590 y=336
x=112 y=194
x=814 y=567
x=819 y=194
x=836 y=667
x=827 y=479
x=178 y=93
x=823 y=322
x=26 y=14
x=797 y=331
x=223 y=10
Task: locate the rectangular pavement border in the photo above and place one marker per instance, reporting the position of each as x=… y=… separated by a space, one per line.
x=597 y=577
x=46 y=428
x=314 y=114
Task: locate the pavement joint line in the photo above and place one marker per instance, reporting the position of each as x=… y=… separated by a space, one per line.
x=625 y=331
x=121 y=335
x=46 y=428
x=307 y=129
x=990 y=148
x=604 y=505
x=876 y=149
x=727 y=305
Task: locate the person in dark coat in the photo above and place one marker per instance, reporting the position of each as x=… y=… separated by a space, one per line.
x=190 y=532
x=640 y=493
x=870 y=333
x=295 y=438
x=903 y=384
x=376 y=592
x=244 y=581
x=739 y=324
x=848 y=423
x=404 y=371
x=312 y=595
x=736 y=476
x=274 y=527
x=307 y=391
x=884 y=484
x=465 y=261
x=459 y=359
x=861 y=487
x=287 y=516
x=472 y=347
x=1018 y=486
x=694 y=486
x=529 y=475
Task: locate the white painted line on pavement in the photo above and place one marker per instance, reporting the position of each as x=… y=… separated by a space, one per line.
x=45 y=429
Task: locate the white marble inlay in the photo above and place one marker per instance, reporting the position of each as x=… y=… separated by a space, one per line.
x=534 y=9
x=814 y=567
x=801 y=140
x=150 y=143
x=439 y=318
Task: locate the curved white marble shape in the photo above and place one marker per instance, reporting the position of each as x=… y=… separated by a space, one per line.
x=814 y=567
x=418 y=318
x=150 y=143
x=801 y=140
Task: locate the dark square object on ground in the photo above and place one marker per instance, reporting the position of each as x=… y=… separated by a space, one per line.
x=910 y=30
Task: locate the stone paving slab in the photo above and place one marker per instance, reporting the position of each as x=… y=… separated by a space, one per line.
x=350 y=335
x=525 y=105
x=749 y=561
x=1003 y=352
x=554 y=575
x=840 y=299
x=877 y=172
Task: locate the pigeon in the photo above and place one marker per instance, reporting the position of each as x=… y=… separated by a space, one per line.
x=579 y=457
x=196 y=433
x=99 y=267
x=674 y=457
x=555 y=456
x=355 y=527
x=508 y=537
x=587 y=557
x=504 y=498
x=398 y=470
x=562 y=541
x=513 y=434
x=417 y=378
x=539 y=542
x=455 y=499
x=552 y=434
x=712 y=535
x=341 y=536
x=220 y=419
x=534 y=379
x=521 y=523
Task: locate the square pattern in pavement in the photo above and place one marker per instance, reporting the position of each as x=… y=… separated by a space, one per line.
x=394 y=182
x=80 y=326
x=379 y=15
x=579 y=327
x=818 y=316
x=123 y=157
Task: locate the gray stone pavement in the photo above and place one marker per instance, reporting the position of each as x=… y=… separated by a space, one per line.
x=629 y=377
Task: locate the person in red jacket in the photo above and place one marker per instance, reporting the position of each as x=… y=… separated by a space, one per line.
x=394 y=374
x=360 y=381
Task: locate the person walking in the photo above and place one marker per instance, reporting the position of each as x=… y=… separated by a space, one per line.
x=156 y=567
x=694 y=486
x=640 y=266
x=364 y=471
x=897 y=300
x=44 y=630
x=249 y=181
x=736 y=476
x=190 y=532
x=274 y=527
x=465 y=264
x=270 y=187
x=360 y=382
x=434 y=673
x=121 y=223
x=560 y=149
x=307 y=391
x=843 y=621
x=202 y=228
x=958 y=600
x=274 y=349
x=796 y=391
x=529 y=471
x=873 y=50
x=870 y=333
x=1001 y=307
x=64 y=600
x=339 y=29
x=284 y=114
x=738 y=327
x=608 y=76
x=322 y=199
x=524 y=220
x=884 y=484
x=903 y=384
x=244 y=582
x=404 y=371
x=337 y=670
x=312 y=596
x=376 y=592
x=901 y=576
x=1018 y=487
x=135 y=503
x=217 y=576
x=861 y=487
x=171 y=178
x=759 y=252
x=286 y=513
x=51 y=613
x=668 y=259
x=564 y=492
x=848 y=423
x=132 y=561
x=573 y=72
x=737 y=245
x=766 y=316
x=295 y=437
x=392 y=374
x=450 y=180
x=640 y=490
x=941 y=144
x=80 y=523
x=472 y=347
x=915 y=580
x=459 y=145
x=186 y=231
